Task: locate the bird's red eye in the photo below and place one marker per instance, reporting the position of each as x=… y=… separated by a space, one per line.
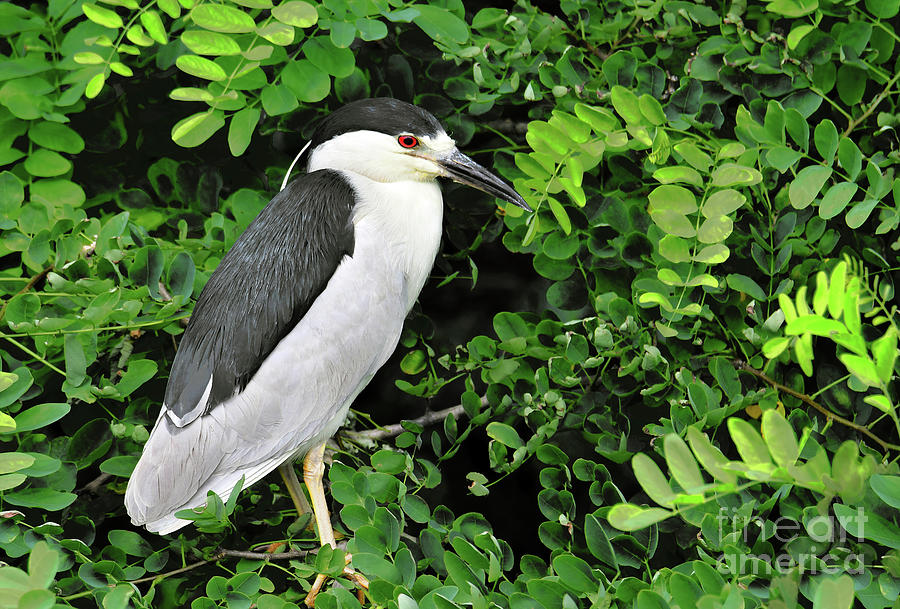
x=408 y=141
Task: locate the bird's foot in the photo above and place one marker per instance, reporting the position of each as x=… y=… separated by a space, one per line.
x=358 y=579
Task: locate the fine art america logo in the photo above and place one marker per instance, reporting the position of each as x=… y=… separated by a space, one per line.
x=825 y=549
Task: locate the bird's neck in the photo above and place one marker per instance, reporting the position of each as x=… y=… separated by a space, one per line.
x=406 y=218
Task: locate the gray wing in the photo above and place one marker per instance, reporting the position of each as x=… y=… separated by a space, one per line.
x=296 y=400
x=261 y=289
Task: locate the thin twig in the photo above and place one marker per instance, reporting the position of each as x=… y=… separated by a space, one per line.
x=741 y=365
x=94 y=485
x=191 y=566
x=878 y=99
x=266 y=555
x=429 y=418
x=223 y=553
x=31 y=283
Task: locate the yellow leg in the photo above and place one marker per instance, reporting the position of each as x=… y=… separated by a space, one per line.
x=289 y=476
x=313 y=470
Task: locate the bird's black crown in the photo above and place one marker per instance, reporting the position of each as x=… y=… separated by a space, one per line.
x=381 y=114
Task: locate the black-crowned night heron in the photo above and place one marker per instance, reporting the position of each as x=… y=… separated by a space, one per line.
x=302 y=311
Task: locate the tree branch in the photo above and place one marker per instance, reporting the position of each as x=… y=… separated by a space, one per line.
x=741 y=365
x=224 y=553
x=389 y=431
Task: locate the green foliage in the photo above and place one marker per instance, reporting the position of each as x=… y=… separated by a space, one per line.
x=705 y=292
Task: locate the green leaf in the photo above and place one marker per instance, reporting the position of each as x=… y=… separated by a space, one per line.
x=628 y=517
x=860 y=212
x=309 y=83
x=775 y=347
x=8 y=481
x=44 y=498
x=723 y=202
x=697 y=159
x=780 y=438
x=887 y=487
x=154 y=26
x=652 y=480
x=807 y=185
x=57 y=192
x=826 y=140
x=742 y=283
x=685 y=175
x=626 y=105
x=559 y=212
x=121 y=466
x=731 y=174
x=139 y=371
x=46 y=163
x=783 y=158
x=389 y=461
x=836 y=199
x=181 y=275
x=278 y=99
x=682 y=464
x=197 y=128
x=652 y=110
x=241 y=128
x=55 y=136
x=851 y=83
x=209 y=43
x=12 y=193
x=13 y=462
x=849 y=157
x=504 y=434
x=414 y=362
x=277 y=33
x=884 y=351
x=749 y=443
x=674 y=198
x=95 y=85
x=371 y=29
x=715 y=229
x=597 y=541
x=76 y=363
x=222 y=18
x=674 y=249
x=673 y=223
x=102 y=16
x=191 y=94
x=43 y=563
x=710 y=457
x=38 y=417
x=121 y=69
x=866 y=524
x=862 y=368
x=575 y=573
x=342 y=34
x=440 y=24
x=834 y=593
x=814 y=324
x=200 y=67
x=296 y=13
x=792 y=8
x=130 y=542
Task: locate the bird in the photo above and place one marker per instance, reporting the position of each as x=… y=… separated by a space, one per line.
x=302 y=311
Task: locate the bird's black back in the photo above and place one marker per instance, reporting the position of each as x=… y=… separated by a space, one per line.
x=262 y=288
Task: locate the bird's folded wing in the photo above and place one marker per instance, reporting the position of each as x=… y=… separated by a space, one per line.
x=262 y=288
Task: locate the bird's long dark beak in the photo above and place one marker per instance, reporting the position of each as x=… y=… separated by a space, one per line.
x=460 y=168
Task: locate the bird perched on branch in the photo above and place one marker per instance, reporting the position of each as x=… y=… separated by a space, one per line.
x=303 y=310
